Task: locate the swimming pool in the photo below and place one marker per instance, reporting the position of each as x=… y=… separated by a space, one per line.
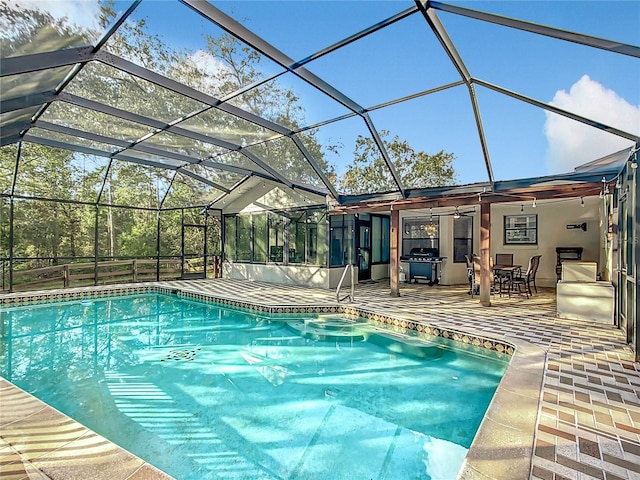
x=208 y=392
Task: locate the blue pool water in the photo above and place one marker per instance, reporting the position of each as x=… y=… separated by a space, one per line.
x=207 y=392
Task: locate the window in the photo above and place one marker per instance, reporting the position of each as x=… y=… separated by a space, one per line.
x=420 y=233
x=386 y=240
x=243 y=238
x=299 y=237
x=260 y=238
x=376 y=236
x=462 y=238
x=317 y=237
x=521 y=229
x=230 y=238
x=380 y=238
x=308 y=237
x=276 y=238
x=341 y=246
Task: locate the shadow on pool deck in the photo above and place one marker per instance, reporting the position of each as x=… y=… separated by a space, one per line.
x=568 y=406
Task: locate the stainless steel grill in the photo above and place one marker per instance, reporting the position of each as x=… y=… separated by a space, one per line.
x=424 y=264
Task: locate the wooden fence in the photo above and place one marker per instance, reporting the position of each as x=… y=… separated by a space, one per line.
x=111 y=272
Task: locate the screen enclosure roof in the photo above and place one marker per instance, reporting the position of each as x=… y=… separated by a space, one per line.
x=290 y=94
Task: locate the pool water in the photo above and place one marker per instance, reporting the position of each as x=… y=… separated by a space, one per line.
x=205 y=392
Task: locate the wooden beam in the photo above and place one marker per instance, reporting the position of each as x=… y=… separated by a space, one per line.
x=485 y=254
x=539 y=192
x=394 y=261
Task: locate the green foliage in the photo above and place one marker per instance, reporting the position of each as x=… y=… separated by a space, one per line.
x=25 y=30
x=8 y=156
x=59 y=227
x=138 y=234
x=4 y=227
x=53 y=228
x=369 y=173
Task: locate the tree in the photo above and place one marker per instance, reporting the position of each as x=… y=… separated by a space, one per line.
x=55 y=229
x=224 y=67
x=26 y=30
x=369 y=173
x=66 y=229
x=52 y=228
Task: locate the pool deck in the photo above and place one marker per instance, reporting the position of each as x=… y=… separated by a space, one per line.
x=568 y=406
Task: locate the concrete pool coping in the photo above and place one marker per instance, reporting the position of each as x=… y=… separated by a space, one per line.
x=502 y=448
x=504 y=443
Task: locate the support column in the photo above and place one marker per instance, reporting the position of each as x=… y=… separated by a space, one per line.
x=635 y=244
x=96 y=243
x=394 y=260
x=11 y=245
x=485 y=254
x=158 y=240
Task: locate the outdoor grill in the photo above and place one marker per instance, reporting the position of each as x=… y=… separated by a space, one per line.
x=424 y=264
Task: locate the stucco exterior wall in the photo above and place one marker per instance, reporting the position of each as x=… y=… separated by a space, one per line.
x=302 y=275
x=553 y=218
x=379 y=271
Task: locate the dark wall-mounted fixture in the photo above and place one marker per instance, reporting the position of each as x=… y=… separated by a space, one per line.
x=576 y=226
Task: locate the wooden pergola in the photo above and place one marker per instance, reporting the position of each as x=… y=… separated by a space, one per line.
x=484 y=195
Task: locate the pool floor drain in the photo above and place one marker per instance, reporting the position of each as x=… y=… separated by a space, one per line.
x=178 y=355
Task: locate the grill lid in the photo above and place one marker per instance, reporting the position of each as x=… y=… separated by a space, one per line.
x=424 y=252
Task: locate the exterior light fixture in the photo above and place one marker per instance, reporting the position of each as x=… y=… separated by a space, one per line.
x=521 y=208
x=533 y=205
x=431 y=229
x=604 y=189
x=634 y=163
x=456 y=214
x=582 y=202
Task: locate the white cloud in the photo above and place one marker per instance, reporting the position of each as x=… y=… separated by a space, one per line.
x=83 y=13
x=571 y=143
x=212 y=70
x=207 y=63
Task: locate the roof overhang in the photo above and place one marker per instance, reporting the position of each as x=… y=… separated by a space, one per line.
x=568 y=185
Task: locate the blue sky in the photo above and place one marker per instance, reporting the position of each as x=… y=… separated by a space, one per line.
x=406 y=58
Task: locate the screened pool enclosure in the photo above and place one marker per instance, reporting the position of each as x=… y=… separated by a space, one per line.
x=153 y=140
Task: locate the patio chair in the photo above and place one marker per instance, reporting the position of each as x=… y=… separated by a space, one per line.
x=529 y=277
x=473 y=273
x=503 y=279
x=536 y=264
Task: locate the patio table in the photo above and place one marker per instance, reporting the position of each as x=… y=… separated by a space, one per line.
x=504 y=274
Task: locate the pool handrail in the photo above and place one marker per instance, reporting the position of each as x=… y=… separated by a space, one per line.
x=344 y=273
